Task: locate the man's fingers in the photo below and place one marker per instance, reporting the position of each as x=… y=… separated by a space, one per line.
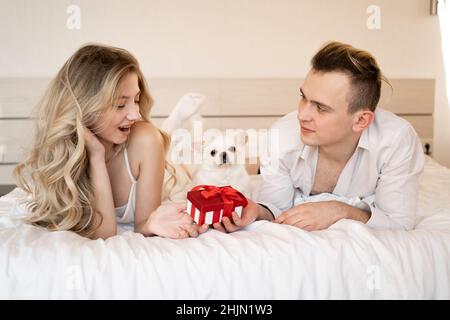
x=243 y=221
x=237 y=220
x=305 y=225
x=228 y=225
x=218 y=226
x=309 y=228
x=292 y=220
x=282 y=217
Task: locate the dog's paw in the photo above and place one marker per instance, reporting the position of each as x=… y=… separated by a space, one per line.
x=189 y=104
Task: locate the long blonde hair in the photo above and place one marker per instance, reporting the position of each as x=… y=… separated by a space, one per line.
x=55 y=171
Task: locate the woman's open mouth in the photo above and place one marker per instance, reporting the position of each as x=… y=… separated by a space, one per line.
x=125 y=129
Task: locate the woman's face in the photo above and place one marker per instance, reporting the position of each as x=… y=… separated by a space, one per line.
x=114 y=125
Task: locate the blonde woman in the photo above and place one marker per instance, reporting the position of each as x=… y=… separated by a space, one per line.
x=97 y=159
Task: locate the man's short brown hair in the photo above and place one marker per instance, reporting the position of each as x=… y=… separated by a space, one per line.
x=359 y=65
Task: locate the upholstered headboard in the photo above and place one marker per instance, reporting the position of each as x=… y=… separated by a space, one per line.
x=230 y=103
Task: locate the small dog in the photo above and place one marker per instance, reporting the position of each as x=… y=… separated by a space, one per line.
x=223 y=162
x=222 y=155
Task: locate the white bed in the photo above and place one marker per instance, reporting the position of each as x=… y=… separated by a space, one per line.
x=264 y=261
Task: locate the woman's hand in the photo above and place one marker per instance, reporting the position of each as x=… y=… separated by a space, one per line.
x=94 y=147
x=171 y=221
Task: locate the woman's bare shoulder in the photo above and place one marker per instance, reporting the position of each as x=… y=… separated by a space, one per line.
x=145 y=146
x=144 y=134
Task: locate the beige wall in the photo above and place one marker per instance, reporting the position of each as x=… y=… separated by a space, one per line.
x=228 y=38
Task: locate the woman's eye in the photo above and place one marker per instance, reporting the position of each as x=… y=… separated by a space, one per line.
x=120 y=107
x=137 y=102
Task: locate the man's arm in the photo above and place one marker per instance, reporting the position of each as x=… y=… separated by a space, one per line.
x=394 y=204
x=312 y=216
x=277 y=191
x=264 y=213
x=350 y=212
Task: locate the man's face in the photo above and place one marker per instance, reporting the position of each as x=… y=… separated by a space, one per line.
x=323 y=109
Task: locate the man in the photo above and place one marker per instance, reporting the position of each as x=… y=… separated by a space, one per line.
x=340 y=144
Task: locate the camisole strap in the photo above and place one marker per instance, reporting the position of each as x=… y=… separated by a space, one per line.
x=127 y=164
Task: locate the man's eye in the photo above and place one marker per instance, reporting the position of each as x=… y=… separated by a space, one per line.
x=137 y=102
x=319 y=108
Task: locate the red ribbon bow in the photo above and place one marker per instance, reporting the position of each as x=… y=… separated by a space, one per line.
x=227 y=193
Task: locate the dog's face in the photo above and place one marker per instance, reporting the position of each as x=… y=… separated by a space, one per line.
x=224 y=150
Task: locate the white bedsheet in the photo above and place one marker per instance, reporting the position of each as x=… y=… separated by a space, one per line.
x=264 y=261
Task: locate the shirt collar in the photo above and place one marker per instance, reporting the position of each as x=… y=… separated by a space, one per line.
x=306 y=152
x=364 y=140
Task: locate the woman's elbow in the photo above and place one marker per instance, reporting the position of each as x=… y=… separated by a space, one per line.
x=104 y=234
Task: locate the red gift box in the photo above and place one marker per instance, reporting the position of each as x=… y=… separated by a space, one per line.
x=209 y=204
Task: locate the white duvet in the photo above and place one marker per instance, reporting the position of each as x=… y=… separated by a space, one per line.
x=264 y=261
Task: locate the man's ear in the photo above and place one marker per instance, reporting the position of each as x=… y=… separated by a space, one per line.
x=362 y=119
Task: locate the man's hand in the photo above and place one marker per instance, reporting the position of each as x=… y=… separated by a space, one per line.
x=249 y=215
x=313 y=216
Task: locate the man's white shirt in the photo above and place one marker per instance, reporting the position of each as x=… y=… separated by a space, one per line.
x=383 y=171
